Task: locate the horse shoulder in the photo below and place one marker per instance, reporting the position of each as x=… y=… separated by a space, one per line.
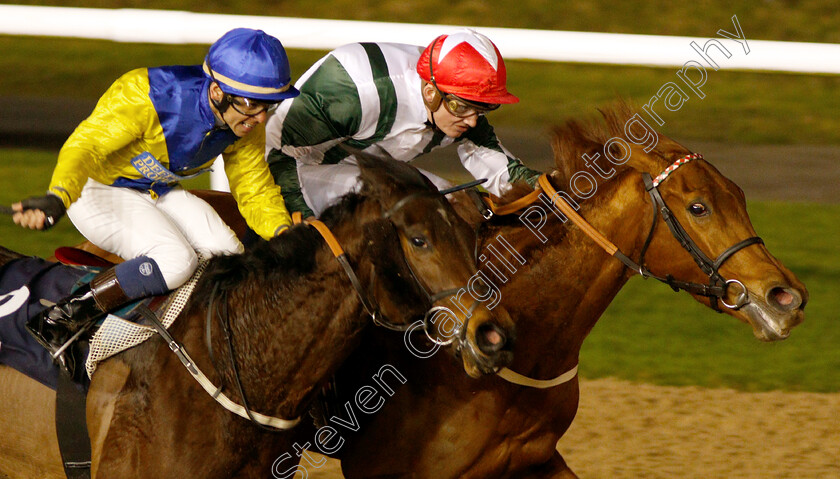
x=27 y=408
x=105 y=387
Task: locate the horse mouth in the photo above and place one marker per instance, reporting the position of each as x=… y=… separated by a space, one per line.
x=768 y=323
x=479 y=366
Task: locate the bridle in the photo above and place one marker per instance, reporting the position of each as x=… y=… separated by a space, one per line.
x=715 y=290
x=717 y=286
x=275 y=424
x=460 y=331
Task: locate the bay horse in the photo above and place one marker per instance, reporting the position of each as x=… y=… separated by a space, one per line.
x=292 y=317
x=437 y=426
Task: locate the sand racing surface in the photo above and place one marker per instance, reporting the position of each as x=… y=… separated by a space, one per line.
x=628 y=430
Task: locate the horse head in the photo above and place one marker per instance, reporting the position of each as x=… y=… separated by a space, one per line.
x=694 y=230
x=436 y=268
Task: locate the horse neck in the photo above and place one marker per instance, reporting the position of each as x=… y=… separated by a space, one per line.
x=292 y=337
x=569 y=281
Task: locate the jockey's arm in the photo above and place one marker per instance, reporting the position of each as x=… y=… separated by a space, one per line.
x=258 y=198
x=327 y=111
x=484 y=156
x=119 y=118
x=122 y=116
x=311 y=128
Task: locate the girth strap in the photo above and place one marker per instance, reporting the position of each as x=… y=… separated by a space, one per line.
x=518 y=379
x=71 y=427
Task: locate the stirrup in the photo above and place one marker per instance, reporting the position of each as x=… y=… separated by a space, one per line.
x=67 y=355
x=58 y=355
x=36 y=326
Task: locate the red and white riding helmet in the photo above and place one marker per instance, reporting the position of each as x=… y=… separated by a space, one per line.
x=468 y=65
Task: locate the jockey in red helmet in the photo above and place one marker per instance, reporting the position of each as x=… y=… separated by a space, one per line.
x=465 y=73
x=390 y=97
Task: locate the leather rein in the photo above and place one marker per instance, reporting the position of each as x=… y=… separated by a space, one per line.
x=716 y=288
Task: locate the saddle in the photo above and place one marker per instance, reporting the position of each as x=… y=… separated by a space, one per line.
x=128 y=326
x=29 y=285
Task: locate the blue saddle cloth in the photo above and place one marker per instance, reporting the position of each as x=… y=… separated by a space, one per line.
x=23 y=284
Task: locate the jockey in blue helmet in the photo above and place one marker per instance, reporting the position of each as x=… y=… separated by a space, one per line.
x=117 y=175
x=251 y=69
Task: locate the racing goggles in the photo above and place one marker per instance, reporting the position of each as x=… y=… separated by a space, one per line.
x=249 y=107
x=464 y=108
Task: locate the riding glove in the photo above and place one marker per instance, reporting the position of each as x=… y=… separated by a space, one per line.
x=51 y=205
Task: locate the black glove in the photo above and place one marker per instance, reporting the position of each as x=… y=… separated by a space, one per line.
x=51 y=205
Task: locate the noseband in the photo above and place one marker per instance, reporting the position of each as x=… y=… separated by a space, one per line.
x=716 y=288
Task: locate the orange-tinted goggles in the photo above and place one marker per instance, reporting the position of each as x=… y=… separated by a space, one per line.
x=463 y=108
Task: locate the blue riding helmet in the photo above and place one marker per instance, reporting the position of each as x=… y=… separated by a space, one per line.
x=251 y=64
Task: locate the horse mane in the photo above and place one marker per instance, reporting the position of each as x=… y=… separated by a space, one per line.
x=576 y=137
x=284 y=258
x=400 y=176
x=293 y=253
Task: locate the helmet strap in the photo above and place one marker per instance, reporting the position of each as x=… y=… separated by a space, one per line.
x=436 y=101
x=434 y=104
x=222 y=106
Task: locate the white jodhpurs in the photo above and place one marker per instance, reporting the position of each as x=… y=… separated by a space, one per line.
x=322 y=185
x=169 y=229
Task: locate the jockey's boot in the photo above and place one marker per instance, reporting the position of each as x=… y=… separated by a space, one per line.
x=56 y=325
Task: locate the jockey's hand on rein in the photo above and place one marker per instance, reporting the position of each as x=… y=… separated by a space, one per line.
x=50 y=206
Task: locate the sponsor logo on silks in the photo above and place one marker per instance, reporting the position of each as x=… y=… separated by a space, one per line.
x=148 y=166
x=146 y=269
x=11 y=302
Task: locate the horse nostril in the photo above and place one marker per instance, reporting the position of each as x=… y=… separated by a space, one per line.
x=491 y=339
x=784 y=298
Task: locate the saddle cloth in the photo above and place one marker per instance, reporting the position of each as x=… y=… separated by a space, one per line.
x=120 y=332
x=25 y=282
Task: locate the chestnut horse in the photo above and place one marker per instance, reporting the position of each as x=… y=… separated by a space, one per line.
x=439 y=426
x=291 y=316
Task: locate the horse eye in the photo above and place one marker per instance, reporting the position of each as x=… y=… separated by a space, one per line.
x=419 y=241
x=698 y=209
